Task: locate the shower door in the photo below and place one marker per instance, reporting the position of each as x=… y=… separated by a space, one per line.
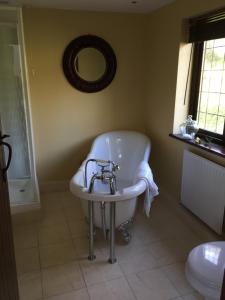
x=15 y=117
x=8 y=276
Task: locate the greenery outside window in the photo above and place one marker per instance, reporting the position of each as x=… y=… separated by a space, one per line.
x=207 y=102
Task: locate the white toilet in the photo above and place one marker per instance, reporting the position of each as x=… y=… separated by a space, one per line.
x=205 y=269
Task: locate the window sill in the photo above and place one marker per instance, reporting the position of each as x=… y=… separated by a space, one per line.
x=212 y=148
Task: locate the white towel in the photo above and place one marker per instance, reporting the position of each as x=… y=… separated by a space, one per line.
x=144 y=172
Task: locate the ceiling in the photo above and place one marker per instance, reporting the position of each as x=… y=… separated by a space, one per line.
x=135 y=6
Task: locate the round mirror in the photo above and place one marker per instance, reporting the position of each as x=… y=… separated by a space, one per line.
x=89 y=63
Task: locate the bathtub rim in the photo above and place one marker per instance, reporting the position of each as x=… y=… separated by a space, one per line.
x=127 y=193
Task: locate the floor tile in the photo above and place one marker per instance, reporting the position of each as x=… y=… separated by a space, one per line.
x=159 y=210
x=169 y=251
x=52 y=218
x=82 y=247
x=152 y=284
x=117 y=289
x=176 y=274
x=148 y=230
x=68 y=200
x=72 y=208
x=30 y=287
x=74 y=213
x=176 y=229
x=153 y=262
x=144 y=234
x=99 y=270
x=25 y=236
x=51 y=201
x=123 y=251
x=78 y=228
x=53 y=234
x=27 y=260
x=62 y=279
x=137 y=261
x=76 y=295
x=57 y=254
x=26 y=218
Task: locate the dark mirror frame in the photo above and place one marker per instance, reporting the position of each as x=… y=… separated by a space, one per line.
x=71 y=52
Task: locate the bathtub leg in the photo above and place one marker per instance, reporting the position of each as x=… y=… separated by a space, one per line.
x=91 y=230
x=102 y=207
x=112 y=258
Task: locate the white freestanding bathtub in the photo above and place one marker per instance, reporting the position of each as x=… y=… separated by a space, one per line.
x=127 y=149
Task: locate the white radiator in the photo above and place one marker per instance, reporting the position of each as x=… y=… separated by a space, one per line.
x=203 y=189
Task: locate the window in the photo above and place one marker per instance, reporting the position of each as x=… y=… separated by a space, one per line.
x=207 y=103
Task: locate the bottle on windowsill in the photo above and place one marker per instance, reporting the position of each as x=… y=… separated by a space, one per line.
x=189 y=128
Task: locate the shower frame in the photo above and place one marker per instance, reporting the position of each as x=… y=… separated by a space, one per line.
x=21 y=207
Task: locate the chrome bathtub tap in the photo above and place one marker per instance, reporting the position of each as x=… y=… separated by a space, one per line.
x=106 y=175
x=113 y=167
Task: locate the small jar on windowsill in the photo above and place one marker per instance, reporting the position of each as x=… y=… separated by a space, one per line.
x=189 y=128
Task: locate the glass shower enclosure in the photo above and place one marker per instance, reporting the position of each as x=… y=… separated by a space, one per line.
x=15 y=111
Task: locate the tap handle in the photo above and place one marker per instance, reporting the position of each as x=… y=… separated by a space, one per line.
x=102 y=161
x=115 y=168
x=103 y=166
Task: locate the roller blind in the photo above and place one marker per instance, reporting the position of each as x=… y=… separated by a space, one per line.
x=207 y=27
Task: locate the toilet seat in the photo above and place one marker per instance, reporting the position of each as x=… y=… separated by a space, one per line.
x=205 y=268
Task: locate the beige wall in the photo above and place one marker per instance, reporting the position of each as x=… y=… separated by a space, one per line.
x=164 y=38
x=66 y=120
x=141 y=96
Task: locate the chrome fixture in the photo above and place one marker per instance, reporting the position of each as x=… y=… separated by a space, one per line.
x=112 y=257
x=103 y=176
x=102 y=207
x=107 y=176
x=91 y=230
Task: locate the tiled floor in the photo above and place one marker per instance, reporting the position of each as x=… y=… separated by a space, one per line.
x=51 y=255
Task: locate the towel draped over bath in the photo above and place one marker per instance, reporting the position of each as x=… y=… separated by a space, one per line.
x=144 y=173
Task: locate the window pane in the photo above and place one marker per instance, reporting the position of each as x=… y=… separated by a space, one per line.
x=209 y=44
x=219 y=42
x=211 y=122
x=208 y=59
x=220 y=125
x=213 y=103
x=205 y=81
x=201 y=120
x=218 y=58
x=222 y=105
x=211 y=100
x=215 y=81
x=203 y=102
x=223 y=83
